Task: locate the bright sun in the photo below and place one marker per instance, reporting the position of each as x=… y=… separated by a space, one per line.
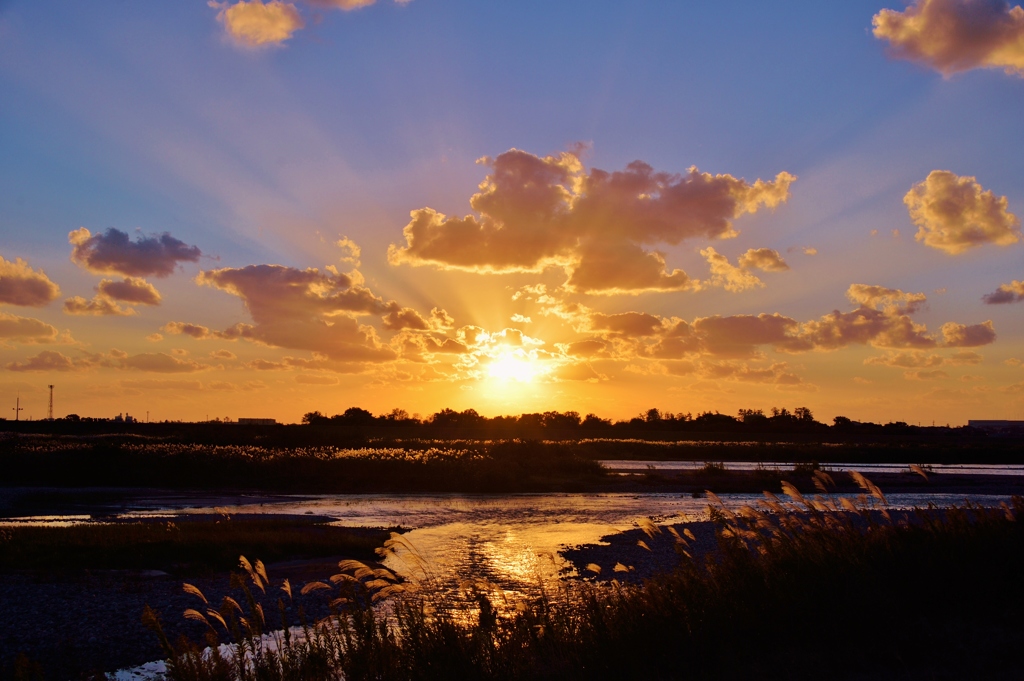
x=514 y=367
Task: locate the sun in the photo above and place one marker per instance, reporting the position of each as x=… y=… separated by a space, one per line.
x=515 y=366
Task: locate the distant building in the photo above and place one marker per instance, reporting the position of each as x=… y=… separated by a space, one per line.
x=257 y=422
x=991 y=426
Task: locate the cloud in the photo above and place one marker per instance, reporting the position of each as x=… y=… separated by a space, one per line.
x=925 y=375
x=130 y=290
x=968 y=336
x=160 y=362
x=350 y=251
x=160 y=384
x=881 y=319
x=956 y=35
x=258 y=24
x=764 y=259
x=314 y=379
x=349 y=5
x=299 y=309
x=728 y=276
x=921 y=360
x=25 y=330
x=1006 y=293
x=22 y=285
x=889 y=300
x=185 y=329
x=954 y=214
x=47 y=360
x=629 y=324
x=98 y=306
x=533 y=213
x=399 y=318
x=223 y=354
x=113 y=252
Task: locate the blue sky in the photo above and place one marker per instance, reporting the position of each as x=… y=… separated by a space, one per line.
x=145 y=117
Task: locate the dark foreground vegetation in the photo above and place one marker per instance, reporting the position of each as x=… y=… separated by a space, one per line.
x=356 y=427
x=816 y=590
x=84 y=466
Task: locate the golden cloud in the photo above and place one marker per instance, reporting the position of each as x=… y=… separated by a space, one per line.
x=954 y=214
x=956 y=35
x=1006 y=293
x=727 y=275
x=22 y=285
x=533 y=213
x=254 y=23
x=764 y=259
x=113 y=252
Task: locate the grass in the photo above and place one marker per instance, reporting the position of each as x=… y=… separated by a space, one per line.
x=181 y=547
x=811 y=588
x=508 y=466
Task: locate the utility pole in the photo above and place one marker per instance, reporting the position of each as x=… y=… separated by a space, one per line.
x=49 y=413
x=18 y=409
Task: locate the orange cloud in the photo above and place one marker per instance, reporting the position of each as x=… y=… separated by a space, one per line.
x=159 y=362
x=920 y=360
x=113 y=252
x=880 y=320
x=130 y=290
x=956 y=35
x=47 y=360
x=727 y=275
x=25 y=330
x=399 y=318
x=955 y=214
x=968 y=336
x=254 y=23
x=534 y=213
x=24 y=286
x=99 y=306
x=1006 y=293
x=764 y=259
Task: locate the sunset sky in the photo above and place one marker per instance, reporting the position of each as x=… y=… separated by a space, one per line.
x=248 y=209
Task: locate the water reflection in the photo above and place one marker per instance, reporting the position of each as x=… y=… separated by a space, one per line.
x=512 y=542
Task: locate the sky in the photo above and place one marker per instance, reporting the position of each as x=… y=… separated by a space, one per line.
x=261 y=209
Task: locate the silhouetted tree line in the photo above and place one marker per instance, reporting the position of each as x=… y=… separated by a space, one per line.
x=777 y=420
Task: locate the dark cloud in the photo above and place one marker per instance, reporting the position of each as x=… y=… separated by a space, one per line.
x=1006 y=293
x=113 y=252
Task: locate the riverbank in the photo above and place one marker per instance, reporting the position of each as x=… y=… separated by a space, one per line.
x=74 y=596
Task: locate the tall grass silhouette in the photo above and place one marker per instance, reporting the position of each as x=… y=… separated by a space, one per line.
x=801 y=587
